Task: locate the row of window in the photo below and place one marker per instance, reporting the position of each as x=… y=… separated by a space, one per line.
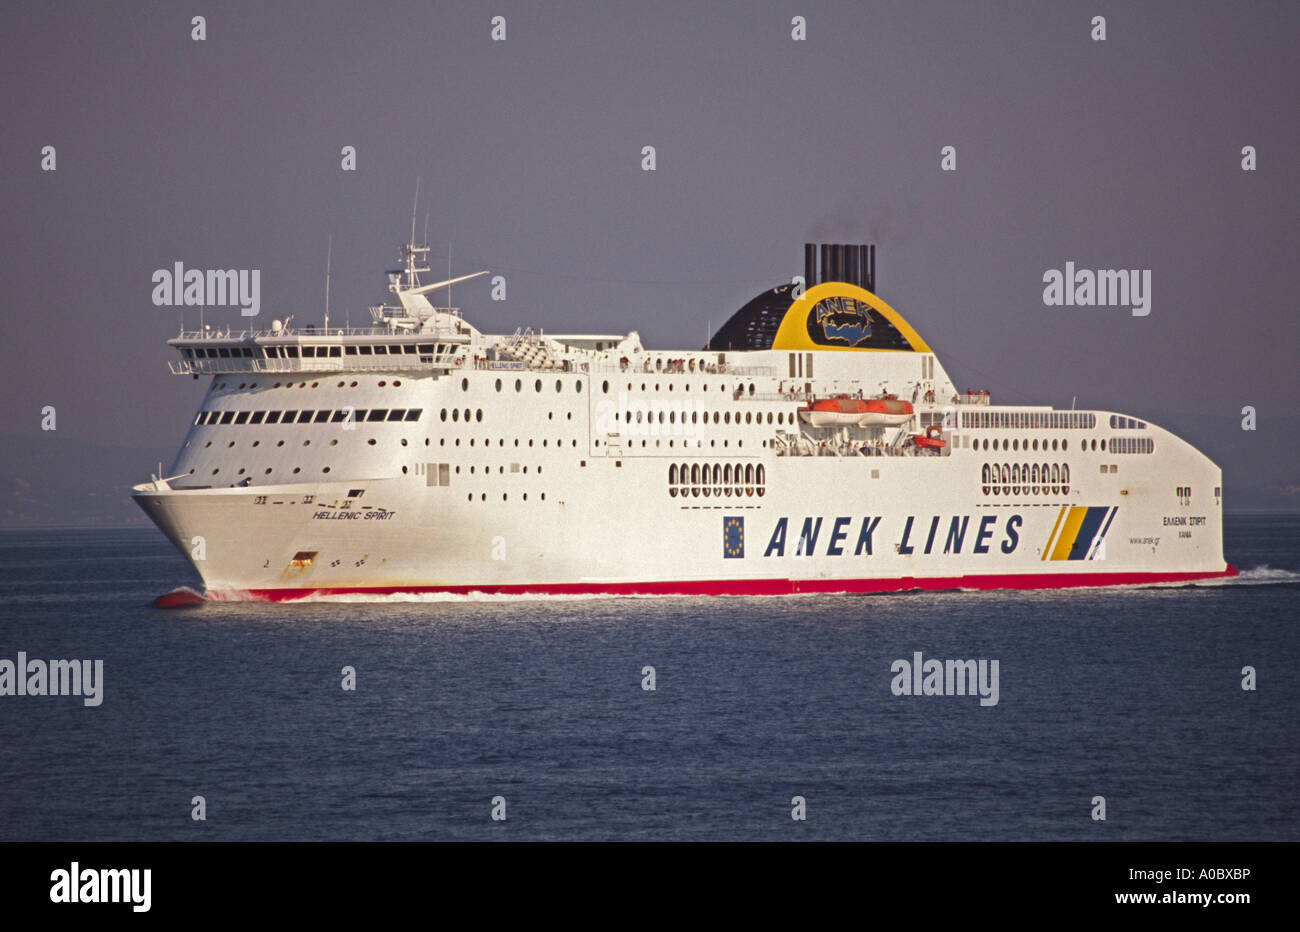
x=1025 y=478
x=323 y=416
x=1017 y=443
x=381 y=383
x=736 y=393
x=1013 y=420
x=1119 y=422
x=696 y=479
x=316 y=352
x=505 y=497
x=697 y=417
x=1129 y=445
x=537 y=385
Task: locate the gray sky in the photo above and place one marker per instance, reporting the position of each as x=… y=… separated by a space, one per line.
x=225 y=153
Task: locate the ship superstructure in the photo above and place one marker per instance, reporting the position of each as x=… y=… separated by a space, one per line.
x=815 y=445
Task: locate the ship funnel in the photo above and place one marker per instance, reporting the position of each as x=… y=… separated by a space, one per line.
x=854 y=263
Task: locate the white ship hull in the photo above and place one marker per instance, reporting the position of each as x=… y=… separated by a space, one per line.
x=619 y=480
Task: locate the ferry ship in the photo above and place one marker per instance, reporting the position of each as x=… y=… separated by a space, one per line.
x=816 y=444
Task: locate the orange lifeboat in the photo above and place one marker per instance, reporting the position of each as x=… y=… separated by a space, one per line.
x=931 y=439
x=843 y=411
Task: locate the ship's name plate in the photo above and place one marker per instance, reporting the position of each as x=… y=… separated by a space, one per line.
x=353 y=515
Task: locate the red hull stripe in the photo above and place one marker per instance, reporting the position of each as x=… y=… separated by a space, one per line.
x=772 y=586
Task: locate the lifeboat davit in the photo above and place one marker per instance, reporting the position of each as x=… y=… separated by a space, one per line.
x=843 y=411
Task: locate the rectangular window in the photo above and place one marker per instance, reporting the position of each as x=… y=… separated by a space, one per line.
x=380 y=350
x=376 y=414
x=289 y=417
x=426 y=348
x=198 y=419
x=350 y=350
x=809 y=373
x=396 y=414
x=227 y=417
x=291 y=351
x=413 y=414
x=444 y=474
x=408 y=348
x=273 y=417
x=258 y=417
x=241 y=417
x=792 y=371
x=304 y=417
x=322 y=417
x=367 y=350
x=359 y=415
x=336 y=352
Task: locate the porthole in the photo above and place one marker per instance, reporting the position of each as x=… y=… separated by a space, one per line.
x=498 y=385
x=403 y=441
x=334 y=443
x=396 y=382
x=478 y=414
x=464 y=385
x=327 y=469
x=519 y=385
x=537 y=386
x=371 y=441
x=352 y=385
x=559 y=386
x=455 y=414
x=268 y=470
x=577 y=387
x=297 y=469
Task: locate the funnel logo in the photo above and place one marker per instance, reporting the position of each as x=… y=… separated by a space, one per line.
x=840 y=320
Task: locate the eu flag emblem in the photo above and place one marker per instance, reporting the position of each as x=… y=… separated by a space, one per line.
x=733 y=537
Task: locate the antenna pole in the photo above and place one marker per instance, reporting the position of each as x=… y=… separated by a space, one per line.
x=328 y=256
x=413 y=208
